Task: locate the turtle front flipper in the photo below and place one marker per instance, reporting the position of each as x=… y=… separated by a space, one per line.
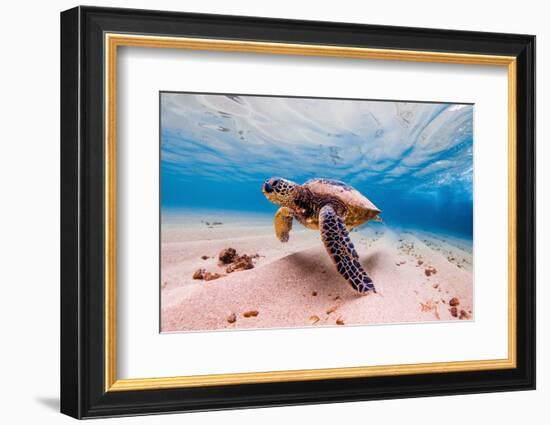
x=340 y=248
x=283 y=223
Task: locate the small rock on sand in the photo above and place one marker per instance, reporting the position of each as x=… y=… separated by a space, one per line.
x=314 y=319
x=453 y=311
x=251 y=313
x=212 y=276
x=236 y=262
x=454 y=302
x=427 y=306
x=205 y=257
x=430 y=270
x=314 y=293
x=232 y=318
x=340 y=321
x=464 y=315
x=332 y=309
x=199 y=274
x=202 y=274
x=227 y=255
x=241 y=262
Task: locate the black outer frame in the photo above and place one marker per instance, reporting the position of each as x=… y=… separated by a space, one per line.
x=82 y=219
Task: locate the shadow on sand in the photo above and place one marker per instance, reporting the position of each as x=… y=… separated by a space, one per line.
x=316 y=262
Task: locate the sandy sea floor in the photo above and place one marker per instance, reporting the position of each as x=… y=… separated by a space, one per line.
x=419 y=276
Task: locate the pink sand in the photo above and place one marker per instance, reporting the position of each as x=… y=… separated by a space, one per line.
x=296 y=285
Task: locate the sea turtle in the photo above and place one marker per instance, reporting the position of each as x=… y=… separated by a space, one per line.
x=332 y=207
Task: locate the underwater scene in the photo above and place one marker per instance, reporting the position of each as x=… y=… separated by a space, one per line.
x=292 y=212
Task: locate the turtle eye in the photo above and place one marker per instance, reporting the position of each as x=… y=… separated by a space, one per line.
x=268 y=188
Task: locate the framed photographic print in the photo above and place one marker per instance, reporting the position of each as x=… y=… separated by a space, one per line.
x=261 y=212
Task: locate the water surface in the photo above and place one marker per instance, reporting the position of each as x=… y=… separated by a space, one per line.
x=414 y=161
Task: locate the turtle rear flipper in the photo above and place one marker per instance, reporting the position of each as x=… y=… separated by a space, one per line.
x=283 y=223
x=378 y=219
x=335 y=236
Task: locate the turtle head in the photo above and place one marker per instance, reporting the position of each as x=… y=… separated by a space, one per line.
x=279 y=191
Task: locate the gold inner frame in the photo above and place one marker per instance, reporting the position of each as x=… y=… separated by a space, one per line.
x=113 y=41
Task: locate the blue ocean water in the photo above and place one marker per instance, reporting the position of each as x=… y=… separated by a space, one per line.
x=414 y=161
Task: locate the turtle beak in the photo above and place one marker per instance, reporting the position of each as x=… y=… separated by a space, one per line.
x=268 y=188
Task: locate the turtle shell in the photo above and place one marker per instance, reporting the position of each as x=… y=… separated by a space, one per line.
x=352 y=198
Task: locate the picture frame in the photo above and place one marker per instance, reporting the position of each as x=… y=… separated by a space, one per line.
x=90 y=40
